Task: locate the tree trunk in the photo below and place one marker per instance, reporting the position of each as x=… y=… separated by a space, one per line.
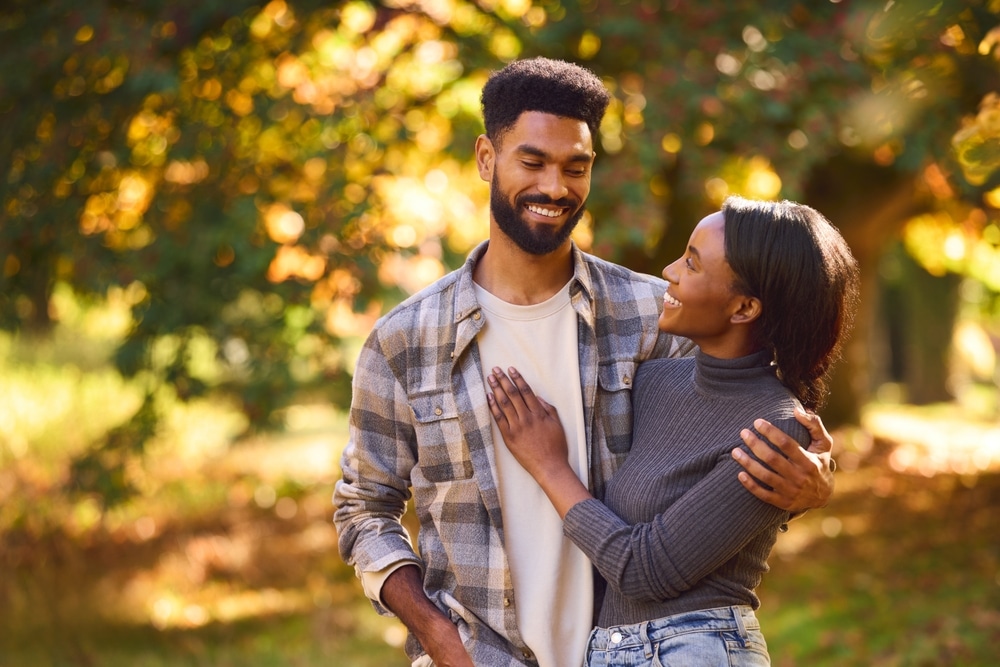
x=869 y=205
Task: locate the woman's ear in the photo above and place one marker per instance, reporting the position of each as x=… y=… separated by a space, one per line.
x=485 y=157
x=748 y=310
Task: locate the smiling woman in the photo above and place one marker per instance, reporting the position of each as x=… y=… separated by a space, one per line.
x=766 y=290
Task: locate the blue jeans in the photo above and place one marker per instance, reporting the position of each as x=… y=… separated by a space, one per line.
x=727 y=636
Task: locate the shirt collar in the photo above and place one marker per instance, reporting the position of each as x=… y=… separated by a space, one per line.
x=466 y=296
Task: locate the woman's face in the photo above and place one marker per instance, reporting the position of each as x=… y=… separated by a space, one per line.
x=700 y=302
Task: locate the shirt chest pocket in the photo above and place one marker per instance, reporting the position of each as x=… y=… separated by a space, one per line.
x=614 y=406
x=442 y=452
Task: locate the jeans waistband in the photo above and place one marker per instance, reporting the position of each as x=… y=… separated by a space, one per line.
x=735 y=619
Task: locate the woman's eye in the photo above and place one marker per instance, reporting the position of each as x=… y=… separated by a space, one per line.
x=689 y=264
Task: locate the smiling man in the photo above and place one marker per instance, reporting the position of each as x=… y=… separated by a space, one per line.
x=495 y=582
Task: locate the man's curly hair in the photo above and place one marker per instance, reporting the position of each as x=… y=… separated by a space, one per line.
x=541 y=84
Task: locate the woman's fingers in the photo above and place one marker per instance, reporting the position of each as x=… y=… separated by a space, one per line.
x=532 y=401
x=514 y=400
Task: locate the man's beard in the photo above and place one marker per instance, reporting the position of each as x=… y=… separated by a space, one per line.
x=539 y=241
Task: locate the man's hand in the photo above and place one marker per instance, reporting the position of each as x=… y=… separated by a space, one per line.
x=403 y=594
x=803 y=480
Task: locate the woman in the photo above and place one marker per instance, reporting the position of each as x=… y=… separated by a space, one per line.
x=766 y=290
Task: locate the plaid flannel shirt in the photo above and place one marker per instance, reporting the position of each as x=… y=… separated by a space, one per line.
x=419 y=420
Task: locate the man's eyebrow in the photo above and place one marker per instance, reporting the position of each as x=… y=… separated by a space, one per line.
x=539 y=153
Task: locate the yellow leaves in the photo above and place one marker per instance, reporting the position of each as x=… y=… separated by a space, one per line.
x=514 y=8
x=411 y=273
x=753 y=178
x=45 y=127
x=963 y=243
x=589 y=45
x=992 y=198
x=340 y=284
x=704 y=133
x=11 y=266
x=276 y=16
x=150 y=135
x=925 y=238
x=239 y=102
x=209 y=89
x=504 y=44
x=341 y=320
x=114 y=78
x=134 y=195
x=671 y=143
x=293 y=261
x=119 y=214
x=763 y=182
x=430 y=132
x=283 y=225
x=186 y=173
x=357 y=18
x=977 y=143
x=991 y=39
x=291 y=72
x=84 y=34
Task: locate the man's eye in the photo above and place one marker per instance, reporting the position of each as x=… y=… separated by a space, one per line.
x=532 y=165
x=577 y=173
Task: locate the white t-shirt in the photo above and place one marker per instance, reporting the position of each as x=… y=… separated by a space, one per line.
x=552 y=579
x=553 y=584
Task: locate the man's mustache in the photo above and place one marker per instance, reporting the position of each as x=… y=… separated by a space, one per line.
x=565 y=202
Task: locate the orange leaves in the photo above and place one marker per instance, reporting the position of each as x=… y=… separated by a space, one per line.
x=293 y=261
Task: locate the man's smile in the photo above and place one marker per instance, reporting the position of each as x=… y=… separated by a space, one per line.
x=547 y=212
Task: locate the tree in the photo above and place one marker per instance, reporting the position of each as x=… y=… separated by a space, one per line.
x=863 y=110
x=263 y=180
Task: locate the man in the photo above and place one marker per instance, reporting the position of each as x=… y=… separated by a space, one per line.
x=496 y=583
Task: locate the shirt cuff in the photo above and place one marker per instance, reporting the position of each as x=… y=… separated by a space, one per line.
x=371 y=582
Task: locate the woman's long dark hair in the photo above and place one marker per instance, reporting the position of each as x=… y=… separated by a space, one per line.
x=791 y=258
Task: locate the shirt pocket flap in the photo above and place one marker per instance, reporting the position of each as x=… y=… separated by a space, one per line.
x=616 y=375
x=442 y=452
x=429 y=408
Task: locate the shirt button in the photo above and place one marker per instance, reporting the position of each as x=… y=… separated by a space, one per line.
x=526 y=654
x=616 y=637
x=627 y=380
x=476 y=315
x=438 y=411
x=506 y=602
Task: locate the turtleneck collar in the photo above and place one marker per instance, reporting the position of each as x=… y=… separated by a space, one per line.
x=714 y=376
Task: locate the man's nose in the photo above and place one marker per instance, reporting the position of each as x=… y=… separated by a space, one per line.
x=553 y=184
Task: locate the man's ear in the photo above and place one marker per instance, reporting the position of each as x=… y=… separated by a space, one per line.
x=485 y=157
x=748 y=309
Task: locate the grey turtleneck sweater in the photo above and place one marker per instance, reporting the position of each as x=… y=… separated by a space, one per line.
x=678 y=532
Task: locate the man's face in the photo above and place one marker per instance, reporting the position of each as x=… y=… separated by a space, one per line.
x=540 y=180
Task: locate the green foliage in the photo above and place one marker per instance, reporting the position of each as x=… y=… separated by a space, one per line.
x=264 y=178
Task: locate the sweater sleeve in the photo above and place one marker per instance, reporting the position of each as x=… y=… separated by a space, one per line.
x=689 y=540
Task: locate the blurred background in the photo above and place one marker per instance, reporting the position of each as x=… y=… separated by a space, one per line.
x=206 y=205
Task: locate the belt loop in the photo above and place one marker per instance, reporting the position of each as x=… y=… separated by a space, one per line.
x=647 y=645
x=738 y=615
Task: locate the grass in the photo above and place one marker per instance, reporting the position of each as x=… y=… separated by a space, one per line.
x=901 y=569
x=229 y=555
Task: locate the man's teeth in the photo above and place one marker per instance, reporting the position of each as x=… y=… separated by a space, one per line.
x=544 y=211
x=671 y=300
